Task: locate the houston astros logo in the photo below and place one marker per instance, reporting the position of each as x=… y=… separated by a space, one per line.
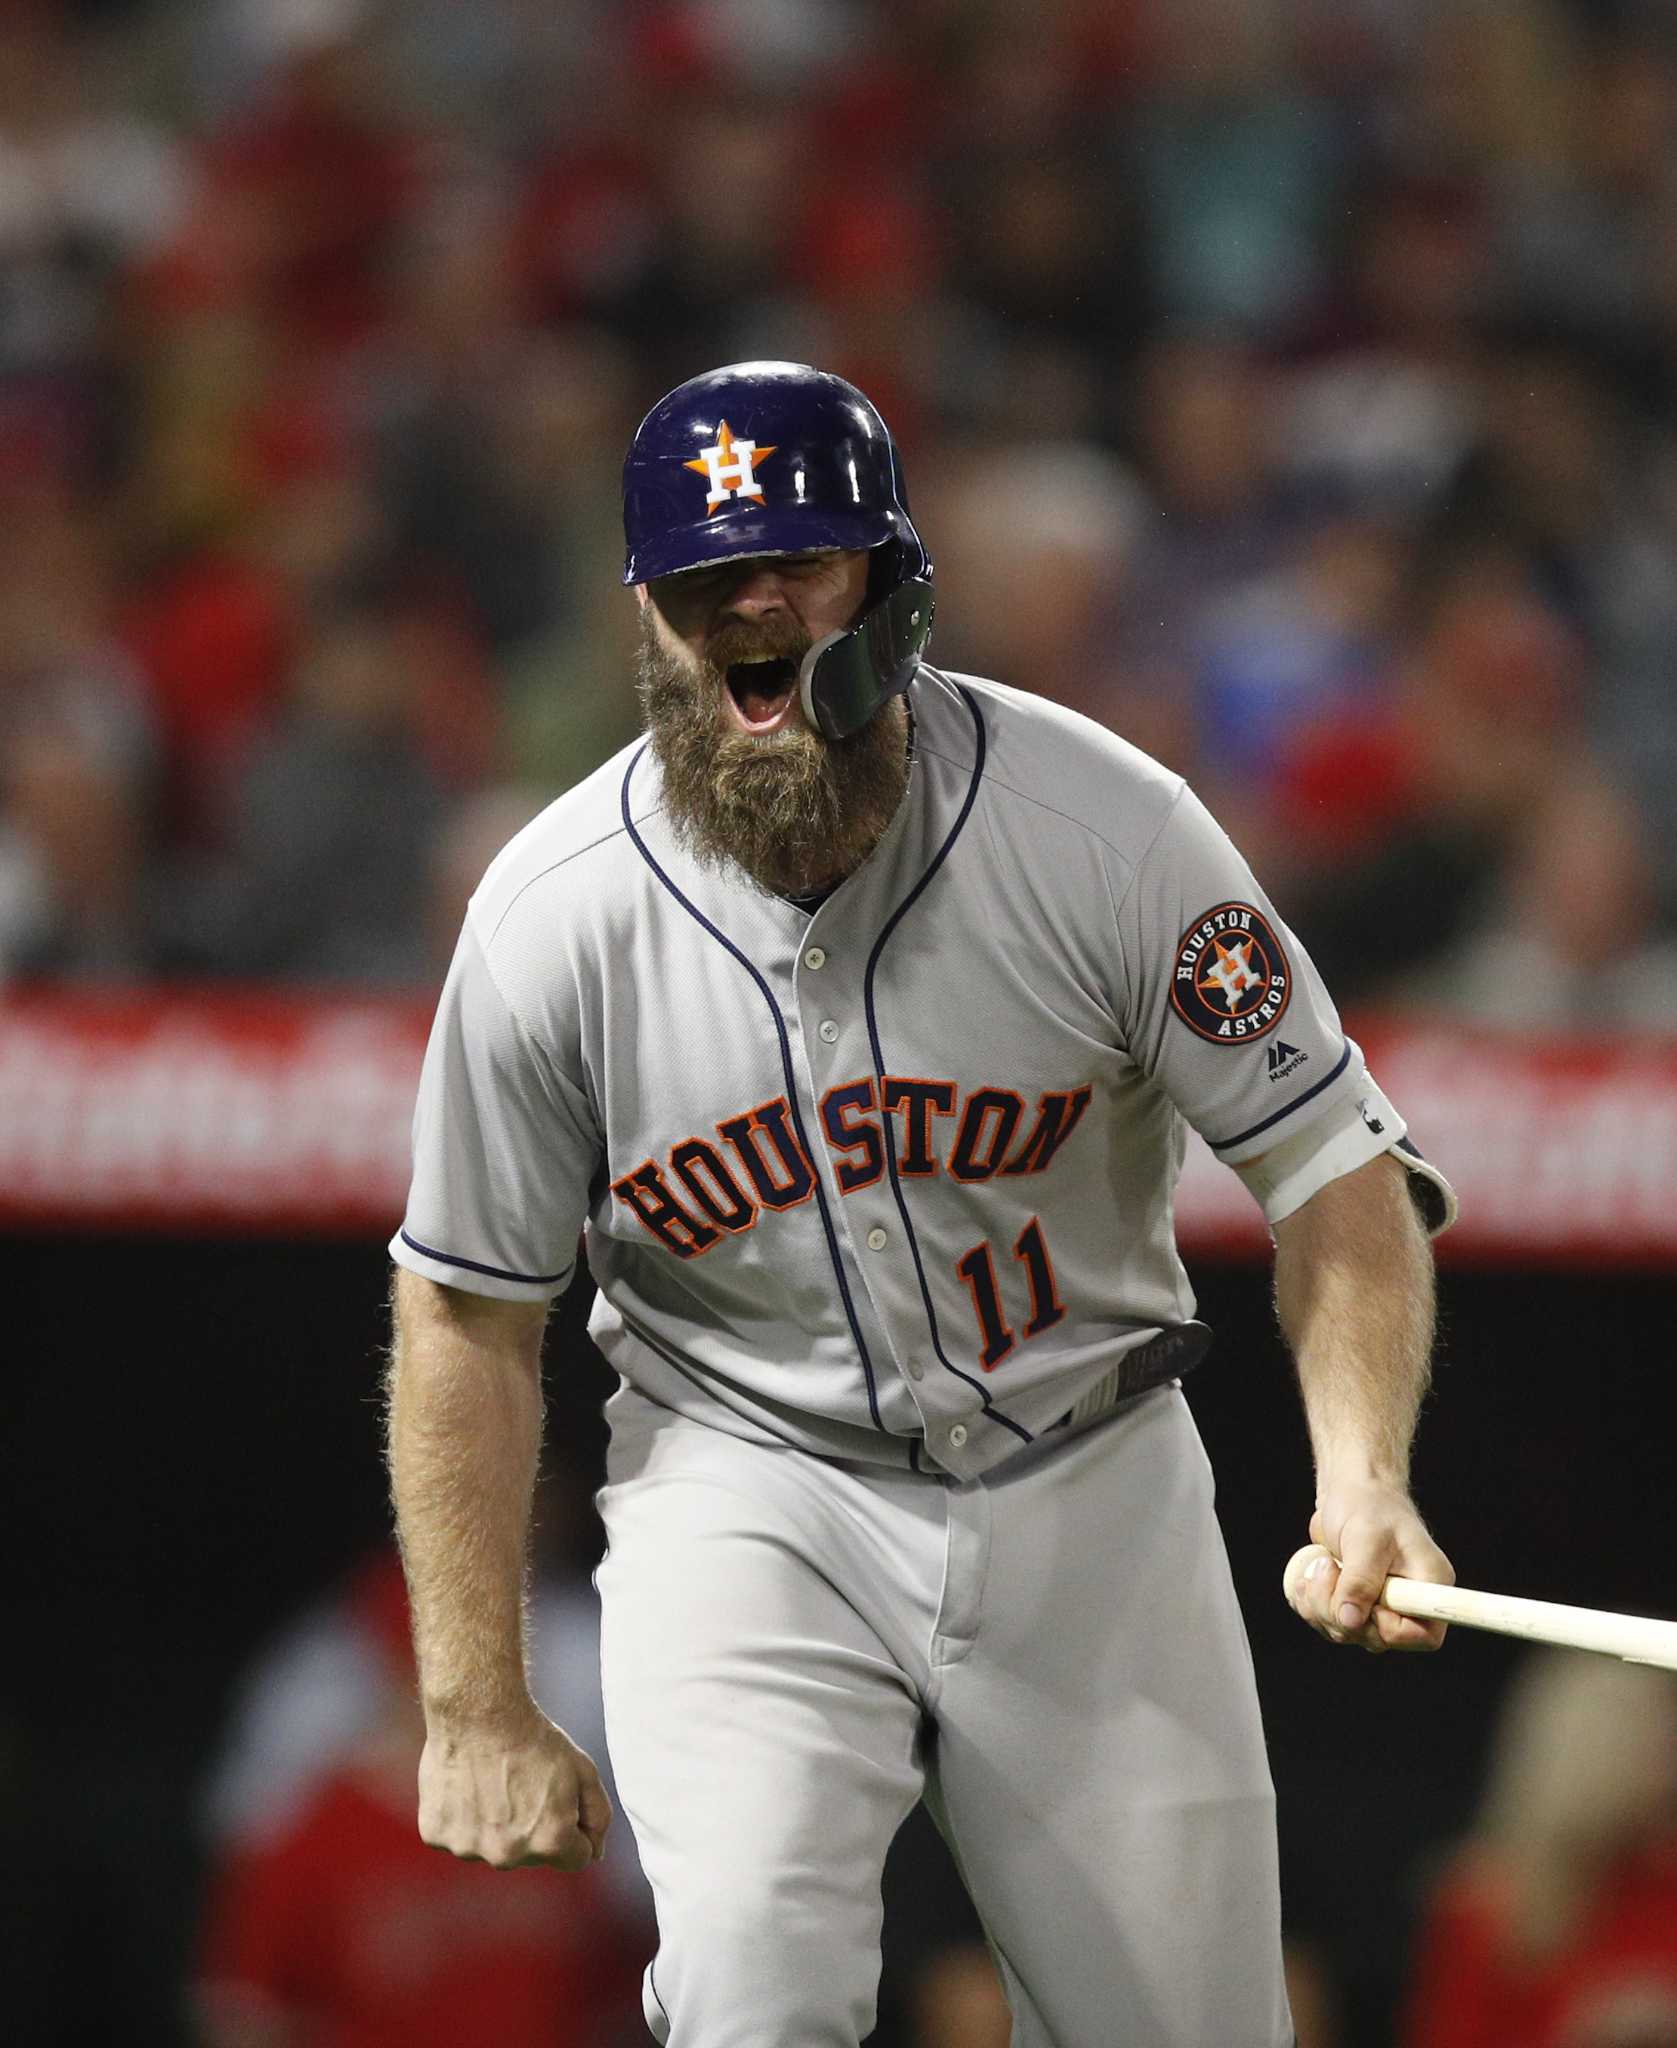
x=1231 y=982
x=731 y=467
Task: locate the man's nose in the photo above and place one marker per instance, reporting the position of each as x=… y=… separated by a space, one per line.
x=760 y=589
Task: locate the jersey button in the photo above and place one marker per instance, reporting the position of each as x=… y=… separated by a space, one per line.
x=877 y=1240
x=958 y=1436
x=829 y=1031
x=815 y=957
x=915 y=1370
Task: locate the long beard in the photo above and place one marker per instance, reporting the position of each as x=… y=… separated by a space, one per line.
x=795 y=810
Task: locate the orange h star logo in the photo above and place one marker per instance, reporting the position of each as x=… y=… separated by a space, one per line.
x=1232 y=972
x=731 y=467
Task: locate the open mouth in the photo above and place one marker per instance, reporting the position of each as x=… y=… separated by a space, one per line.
x=763 y=693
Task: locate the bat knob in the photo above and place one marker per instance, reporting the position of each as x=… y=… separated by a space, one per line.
x=1297 y=1565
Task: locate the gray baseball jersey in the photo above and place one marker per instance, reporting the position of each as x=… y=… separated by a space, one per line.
x=892 y=1181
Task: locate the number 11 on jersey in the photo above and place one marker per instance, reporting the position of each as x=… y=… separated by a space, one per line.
x=978 y=1270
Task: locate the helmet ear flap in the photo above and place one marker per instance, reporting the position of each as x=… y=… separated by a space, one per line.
x=885 y=571
x=846 y=677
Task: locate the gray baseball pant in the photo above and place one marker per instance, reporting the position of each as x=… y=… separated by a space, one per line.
x=794 y=1650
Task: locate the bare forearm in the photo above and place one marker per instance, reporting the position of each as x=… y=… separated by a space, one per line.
x=464 y=1436
x=1354 y=1294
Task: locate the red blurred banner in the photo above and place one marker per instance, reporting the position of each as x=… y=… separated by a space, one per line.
x=257 y=1112
x=288 y=1115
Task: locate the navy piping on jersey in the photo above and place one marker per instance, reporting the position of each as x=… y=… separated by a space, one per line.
x=1327 y=1081
x=891 y=923
x=723 y=940
x=472 y=1266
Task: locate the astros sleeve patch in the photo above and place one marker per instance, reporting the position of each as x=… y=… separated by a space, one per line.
x=1221 y=1004
x=1230 y=982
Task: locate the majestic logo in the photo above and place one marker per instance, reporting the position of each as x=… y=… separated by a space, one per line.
x=731 y=467
x=1284 y=1059
x=1231 y=981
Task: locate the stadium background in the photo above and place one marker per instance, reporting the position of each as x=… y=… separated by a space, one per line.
x=1290 y=386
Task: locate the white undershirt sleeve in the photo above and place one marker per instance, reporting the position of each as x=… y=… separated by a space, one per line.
x=1345 y=1137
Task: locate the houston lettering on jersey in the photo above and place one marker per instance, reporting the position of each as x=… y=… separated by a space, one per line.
x=709 y=1188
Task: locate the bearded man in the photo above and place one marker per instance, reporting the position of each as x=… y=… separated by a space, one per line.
x=855 y=1017
x=747 y=779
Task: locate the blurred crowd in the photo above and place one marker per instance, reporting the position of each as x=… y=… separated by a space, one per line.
x=1554 y=1924
x=1288 y=383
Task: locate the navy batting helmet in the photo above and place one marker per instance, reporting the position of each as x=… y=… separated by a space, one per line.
x=781 y=459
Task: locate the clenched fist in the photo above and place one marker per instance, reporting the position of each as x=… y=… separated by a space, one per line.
x=533 y=1798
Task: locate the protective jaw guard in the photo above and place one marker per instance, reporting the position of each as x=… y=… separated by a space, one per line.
x=846 y=676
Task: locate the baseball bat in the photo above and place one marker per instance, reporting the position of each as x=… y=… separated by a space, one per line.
x=1636 y=1638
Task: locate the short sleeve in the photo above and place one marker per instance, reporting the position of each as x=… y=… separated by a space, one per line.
x=504 y=1148
x=1223 y=1007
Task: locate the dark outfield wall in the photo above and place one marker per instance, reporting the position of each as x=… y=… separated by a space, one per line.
x=190 y=1453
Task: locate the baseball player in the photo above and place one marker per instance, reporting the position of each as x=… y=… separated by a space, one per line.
x=853 y=1017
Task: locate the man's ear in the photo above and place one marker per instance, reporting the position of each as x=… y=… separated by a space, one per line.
x=640 y=595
